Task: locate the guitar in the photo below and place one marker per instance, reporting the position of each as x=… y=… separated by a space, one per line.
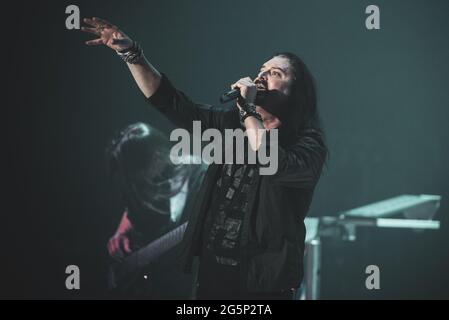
x=122 y=273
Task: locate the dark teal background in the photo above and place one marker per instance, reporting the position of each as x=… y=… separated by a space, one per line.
x=383 y=97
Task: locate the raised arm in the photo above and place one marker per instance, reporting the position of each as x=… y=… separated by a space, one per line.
x=157 y=89
x=145 y=74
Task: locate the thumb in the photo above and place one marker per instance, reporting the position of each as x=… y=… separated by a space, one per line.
x=126 y=245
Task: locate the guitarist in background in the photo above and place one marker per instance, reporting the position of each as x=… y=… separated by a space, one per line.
x=157 y=195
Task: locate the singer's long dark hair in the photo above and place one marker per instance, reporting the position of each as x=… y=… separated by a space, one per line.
x=303 y=99
x=302 y=103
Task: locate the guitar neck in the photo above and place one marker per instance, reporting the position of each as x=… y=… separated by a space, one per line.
x=153 y=250
x=143 y=257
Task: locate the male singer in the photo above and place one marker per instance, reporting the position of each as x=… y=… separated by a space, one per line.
x=246 y=229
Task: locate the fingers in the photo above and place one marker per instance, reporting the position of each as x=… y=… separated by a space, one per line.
x=91 y=30
x=95 y=42
x=114 y=248
x=97 y=22
x=246 y=82
x=102 y=22
x=91 y=22
x=118 y=247
x=111 y=250
x=126 y=245
x=111 y=246
x=248 y=89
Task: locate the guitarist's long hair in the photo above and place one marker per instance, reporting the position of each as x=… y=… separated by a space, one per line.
x=139 y=159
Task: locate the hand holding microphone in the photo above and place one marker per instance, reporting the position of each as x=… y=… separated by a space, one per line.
x=244 y=88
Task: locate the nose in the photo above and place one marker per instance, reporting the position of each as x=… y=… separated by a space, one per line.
x=262 y=76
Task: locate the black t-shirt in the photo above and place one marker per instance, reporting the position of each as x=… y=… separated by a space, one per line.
x=220 y=256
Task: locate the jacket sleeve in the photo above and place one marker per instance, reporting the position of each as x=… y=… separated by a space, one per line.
x=301 y=163
x=178 y=108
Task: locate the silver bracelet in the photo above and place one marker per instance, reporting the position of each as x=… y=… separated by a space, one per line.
x=132 y=55
x=249 y=110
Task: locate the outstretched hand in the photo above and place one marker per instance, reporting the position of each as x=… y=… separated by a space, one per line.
x=108 y=34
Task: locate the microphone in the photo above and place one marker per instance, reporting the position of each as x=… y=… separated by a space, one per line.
x=230 y=95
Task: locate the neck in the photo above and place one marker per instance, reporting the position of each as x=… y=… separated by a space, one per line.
x=269 y=121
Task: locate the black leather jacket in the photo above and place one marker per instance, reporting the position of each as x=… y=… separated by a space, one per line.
x=273 y=233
